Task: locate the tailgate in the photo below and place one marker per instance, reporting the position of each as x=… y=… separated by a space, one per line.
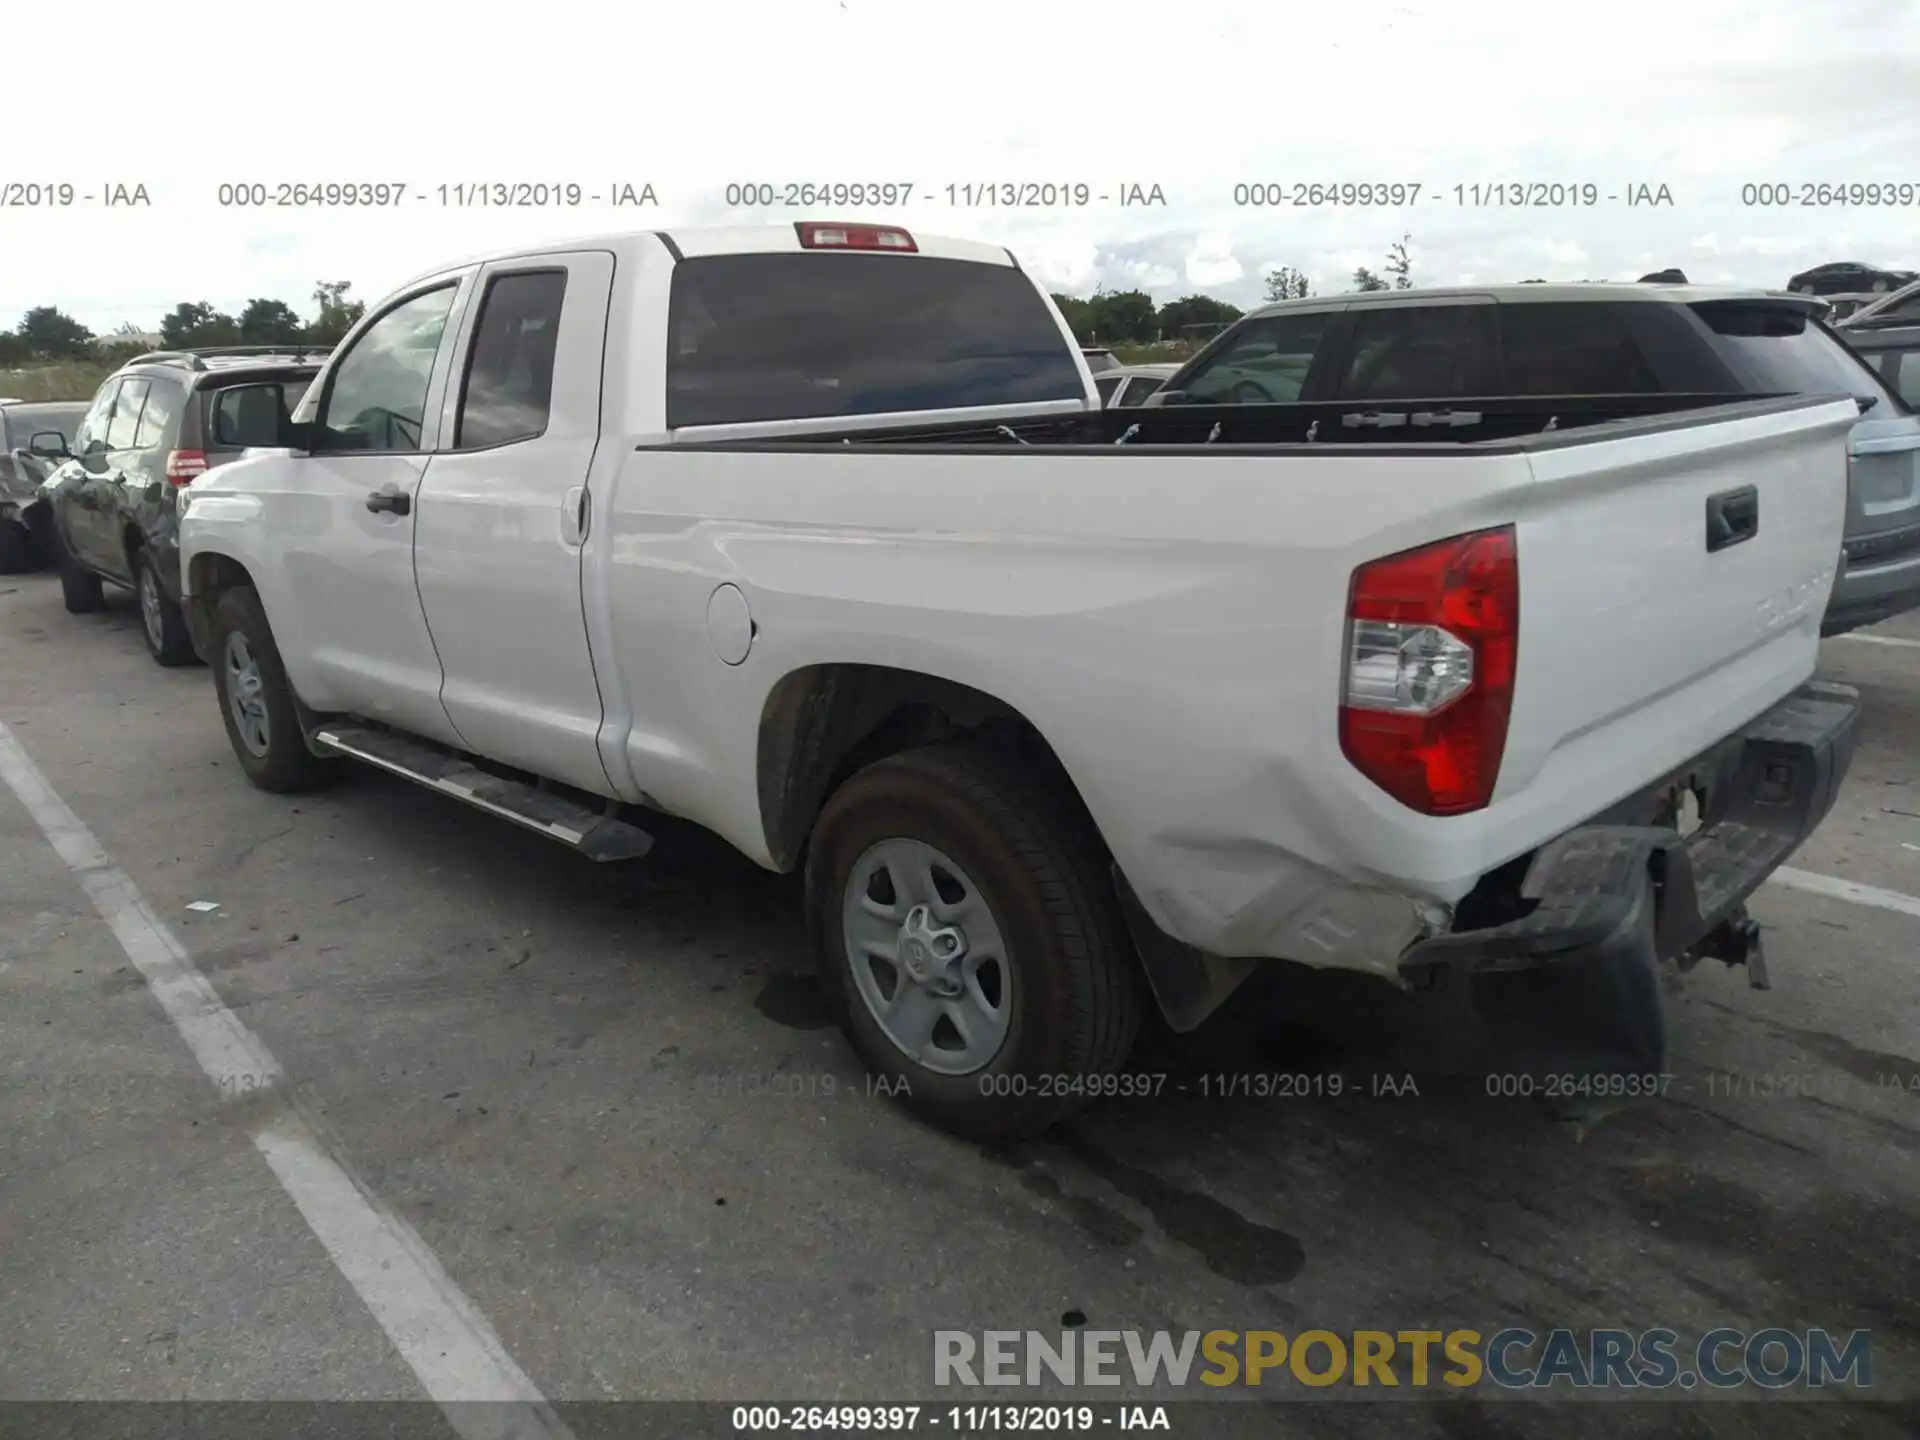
x=1672 y=584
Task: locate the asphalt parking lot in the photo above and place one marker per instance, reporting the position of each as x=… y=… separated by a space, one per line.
x=606 y=1100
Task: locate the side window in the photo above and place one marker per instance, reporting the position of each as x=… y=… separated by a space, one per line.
x=93 y=429
x=377 y=398
x=1265 y=362
x=1106 y=385
x=1906 y=379
x=126 y=415
x=157 y=417
x=508 y=390
x=1422 y=352
x=1140 y=389
x=1580 y=349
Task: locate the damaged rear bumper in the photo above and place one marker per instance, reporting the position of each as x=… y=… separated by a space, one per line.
x=1571 y=985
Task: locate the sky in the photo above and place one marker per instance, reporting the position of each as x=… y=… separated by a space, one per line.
x=1707 y=98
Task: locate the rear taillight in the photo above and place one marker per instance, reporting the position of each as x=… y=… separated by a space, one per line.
x=818 y=235
x=185 y=466
x=1432 y=636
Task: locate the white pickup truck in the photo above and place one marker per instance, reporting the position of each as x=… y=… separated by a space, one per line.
x=819 y=536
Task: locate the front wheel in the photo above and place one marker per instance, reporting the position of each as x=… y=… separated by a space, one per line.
x=256 y=702
x=970 y=940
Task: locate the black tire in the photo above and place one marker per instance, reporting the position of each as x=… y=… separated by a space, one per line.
x=16 y=549
x=79 y=586
x=172 y=645
x=1037 y=861
x=284 y=765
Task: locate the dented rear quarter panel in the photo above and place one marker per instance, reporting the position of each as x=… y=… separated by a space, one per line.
x=1174 y=626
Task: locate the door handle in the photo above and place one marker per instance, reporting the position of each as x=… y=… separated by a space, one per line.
x=1373 y=420
x=1446 y=417
x=1733 y=516
x=576 y=513
x=391 y=500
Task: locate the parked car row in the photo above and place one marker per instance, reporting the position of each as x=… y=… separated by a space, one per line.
x=154 y=426
x=822 y=537
x=1399 y=351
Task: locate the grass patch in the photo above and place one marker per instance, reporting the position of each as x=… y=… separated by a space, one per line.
x=68 y=380
x=1162 y=352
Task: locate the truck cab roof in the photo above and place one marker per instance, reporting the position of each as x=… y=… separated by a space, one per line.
x=689 y=242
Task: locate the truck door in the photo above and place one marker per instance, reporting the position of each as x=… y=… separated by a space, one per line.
x=503 y=513
x=344 y=533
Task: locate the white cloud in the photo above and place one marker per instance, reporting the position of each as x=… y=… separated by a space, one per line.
x=1212 y=263
x=1703 y=97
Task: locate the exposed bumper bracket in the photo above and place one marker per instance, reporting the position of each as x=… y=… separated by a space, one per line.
x=1571 y=987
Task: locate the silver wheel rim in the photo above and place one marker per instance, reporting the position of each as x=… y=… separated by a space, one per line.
x=927 y=957
x=246 y=696
x=150 y=607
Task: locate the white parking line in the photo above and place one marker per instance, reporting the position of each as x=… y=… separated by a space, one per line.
x=1900 y=640
x=438 y=1331
x=1846 y=890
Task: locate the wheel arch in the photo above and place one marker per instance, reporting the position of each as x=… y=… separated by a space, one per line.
x=821 y=723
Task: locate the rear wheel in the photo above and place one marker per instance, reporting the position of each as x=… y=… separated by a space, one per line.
x=162 y=624
x=256 y=702
x=970 y=940
x=79 y=586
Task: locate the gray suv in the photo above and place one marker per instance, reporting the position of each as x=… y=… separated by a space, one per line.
x=157 y=424
x=1387 y=357
x=32 y=435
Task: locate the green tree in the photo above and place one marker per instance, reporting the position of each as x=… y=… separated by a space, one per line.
x=196 y=323
x=337 y=313
x=47 y=333
x=1287 y=283
x=1192 y=315
x=13 y=350
x=1365 y=279
x=270 y=322
x=1400 y=263
x=1123 y=315
x=1078 y=315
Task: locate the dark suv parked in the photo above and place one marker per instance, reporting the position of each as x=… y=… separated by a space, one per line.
x=157 y=423
x=24 y=468
x=1417 y=358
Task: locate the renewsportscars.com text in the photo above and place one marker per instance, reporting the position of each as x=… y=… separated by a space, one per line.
x=1510 y=1358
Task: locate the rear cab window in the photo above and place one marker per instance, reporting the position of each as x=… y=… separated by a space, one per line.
x=1780 y=348
x=763 y=337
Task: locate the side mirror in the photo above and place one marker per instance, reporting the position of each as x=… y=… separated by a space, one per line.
x=49 y=445
x=254 y=417
x=1167 y=397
